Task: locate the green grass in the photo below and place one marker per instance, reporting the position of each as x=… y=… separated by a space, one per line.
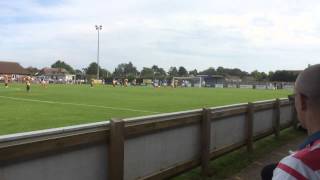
x=234 y=162
x=96 y=103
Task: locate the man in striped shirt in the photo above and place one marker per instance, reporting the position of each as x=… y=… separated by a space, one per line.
x=305 y=163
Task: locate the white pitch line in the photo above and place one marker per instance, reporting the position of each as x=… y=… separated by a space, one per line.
x=76 y=104
x=10 y=89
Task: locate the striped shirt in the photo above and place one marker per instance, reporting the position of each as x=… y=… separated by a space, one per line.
x=301 y=165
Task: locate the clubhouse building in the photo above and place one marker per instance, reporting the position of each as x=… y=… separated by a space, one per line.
x=13 y=69
x=56 y=75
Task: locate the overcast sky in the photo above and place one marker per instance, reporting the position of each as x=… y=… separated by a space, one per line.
x=247 y=34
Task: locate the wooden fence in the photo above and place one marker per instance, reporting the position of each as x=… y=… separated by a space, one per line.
x=151 y=147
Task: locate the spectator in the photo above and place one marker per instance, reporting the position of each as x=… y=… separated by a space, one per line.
x=304 y=163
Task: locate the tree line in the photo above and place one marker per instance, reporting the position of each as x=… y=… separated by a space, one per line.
x=129 y=71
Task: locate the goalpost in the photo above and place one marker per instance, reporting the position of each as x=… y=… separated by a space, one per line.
x=187 y=81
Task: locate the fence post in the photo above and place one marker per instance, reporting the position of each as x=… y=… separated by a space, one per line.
x=276 y=127
x=116 y=150
x=293 y=111
x=205 y=141
x=294 y=117
x=249 y=119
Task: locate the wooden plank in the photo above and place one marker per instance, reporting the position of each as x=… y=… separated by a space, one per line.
x=173 y=121
x=228 y=112
x=35 y=147
x=276 y=125
x=116 y=150
x=224 y=150
x=134 y=130
x=223 y=113
x=294 y=120
x=270 y=132
x=285 y=102
x=284 y=126
x=263 y=134
x=263 y=106
x=260 y=106
x=174 y=170
x=249 y=119
x=205 y=142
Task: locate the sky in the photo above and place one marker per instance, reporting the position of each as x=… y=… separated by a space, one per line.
x=264 y=35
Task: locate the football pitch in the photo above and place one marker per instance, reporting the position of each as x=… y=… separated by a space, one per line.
x=63 y=105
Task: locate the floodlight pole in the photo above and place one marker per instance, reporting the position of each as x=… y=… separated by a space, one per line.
x=98 y=28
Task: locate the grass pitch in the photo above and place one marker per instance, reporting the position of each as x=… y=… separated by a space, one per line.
x=63 y=105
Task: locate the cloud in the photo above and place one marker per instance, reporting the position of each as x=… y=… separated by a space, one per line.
x=196 y=34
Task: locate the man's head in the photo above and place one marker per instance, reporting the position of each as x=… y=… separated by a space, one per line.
x=307 y=95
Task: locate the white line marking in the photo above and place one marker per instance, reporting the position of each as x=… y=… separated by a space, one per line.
x=10 y=89
x=75 y=104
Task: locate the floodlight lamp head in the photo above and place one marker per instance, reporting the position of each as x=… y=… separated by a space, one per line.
x=98 y=27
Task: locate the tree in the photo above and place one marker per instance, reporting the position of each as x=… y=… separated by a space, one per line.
x=62 y=64
x=270 y=75
x=147 y=73
x=155 y=68
x=104 y=74
x=126 y=70
x=209 y=71
x=235 y=72
x=32 y=70
x=92 y=69
x=264 y=76
x=285 y=76
x=193 y=72
x=232 y=72
x=182 y=71
x=159 y=73
x=259 y=76
x=220 y=71
x=173 y=72
x=80 y=74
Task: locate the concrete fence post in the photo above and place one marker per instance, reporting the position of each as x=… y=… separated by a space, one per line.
x=205 y=141
x=276 y=126
x=249 y=119
x=116 y=150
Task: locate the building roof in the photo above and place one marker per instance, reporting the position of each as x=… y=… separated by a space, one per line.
x=214 y=76
x=11 y=68
x=248 y=79
x=186 y=78
x=229 y=77
x=53 y=71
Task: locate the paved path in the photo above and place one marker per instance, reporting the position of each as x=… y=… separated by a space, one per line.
x=253 y=170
